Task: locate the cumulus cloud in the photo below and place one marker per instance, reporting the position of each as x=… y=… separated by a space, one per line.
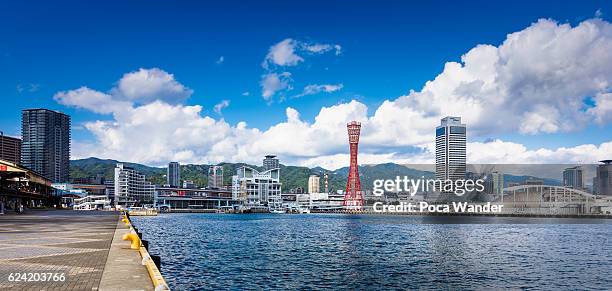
x=221 y=105
x=287 y=53
x=146 y=85
x=547 y=78
x=92 y=100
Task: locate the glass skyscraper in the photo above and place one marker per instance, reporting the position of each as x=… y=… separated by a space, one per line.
x=450 y=149
x=46 y=143
x=174 y=174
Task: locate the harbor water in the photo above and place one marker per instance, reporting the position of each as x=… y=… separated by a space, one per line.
x=317 y=251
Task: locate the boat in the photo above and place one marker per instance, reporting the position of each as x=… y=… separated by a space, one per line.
x=277 y=211
x=141 y=211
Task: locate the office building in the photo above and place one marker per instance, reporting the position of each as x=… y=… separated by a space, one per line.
x=270 y=162
x=215 y=177
x=451 y=149
x=46 y=143
x=573 y=177
x=257 y=191
x=10 y=149
x=173 y=176
x=604 y=178
x=132 y=188
x=313 y=184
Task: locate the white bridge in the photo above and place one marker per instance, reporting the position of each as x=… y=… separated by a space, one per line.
x=551 y=200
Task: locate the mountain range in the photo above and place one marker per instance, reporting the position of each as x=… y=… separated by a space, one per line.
x=291 y=176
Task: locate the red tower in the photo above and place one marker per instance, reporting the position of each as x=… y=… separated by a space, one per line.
x=353 y=198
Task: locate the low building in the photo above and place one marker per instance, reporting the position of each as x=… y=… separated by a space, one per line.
x=257 y=191
x=92 y=202
x=22 y=186
x=320 y=201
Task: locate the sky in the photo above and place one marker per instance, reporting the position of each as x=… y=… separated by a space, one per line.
x=207 y=82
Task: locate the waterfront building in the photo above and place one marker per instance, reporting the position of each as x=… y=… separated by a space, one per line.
x=94 y=180
x=256 y=190
x=10 y=149
x=313 y=184
x=604 y=178
x=91 y=202
x=215 y=177
x=451 y=141
x=131 y=187
x=46 y=143
x=573 y=177
x=188 y=184
x=192 y=200
x=173 y=176
x=270 y=162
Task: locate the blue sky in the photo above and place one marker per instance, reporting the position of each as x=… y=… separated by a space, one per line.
x=388 y=49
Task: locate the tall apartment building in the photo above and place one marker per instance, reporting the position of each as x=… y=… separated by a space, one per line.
x=255 y=190
x=314 y=184
x=494 y=183
x=215 y=177
x=451 y=149
x=173 y=176
x=132 y=188
x=270 y=162
x=46 y=143
x=10 y=149
x=573 y=177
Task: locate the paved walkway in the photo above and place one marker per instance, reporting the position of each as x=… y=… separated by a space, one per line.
x=55 y=243
x=124 y=270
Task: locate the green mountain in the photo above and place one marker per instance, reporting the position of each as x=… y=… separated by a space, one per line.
x=291 y=176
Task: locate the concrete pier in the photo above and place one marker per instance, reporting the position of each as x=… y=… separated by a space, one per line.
x=68 y=250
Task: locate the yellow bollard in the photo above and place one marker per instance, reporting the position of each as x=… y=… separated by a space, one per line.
x=135 y=240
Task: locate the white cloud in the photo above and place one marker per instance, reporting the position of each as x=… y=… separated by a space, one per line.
x=146 y=85
x=283 y=54
x=273 y=82
x=91 y=100
x=602 y=112
x=221 y=105
x=247 y=93
x=287 y=53
x=315 y=89
x=220 y=60
x=535 y=82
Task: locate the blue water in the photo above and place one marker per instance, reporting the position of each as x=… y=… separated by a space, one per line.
x=267 y=251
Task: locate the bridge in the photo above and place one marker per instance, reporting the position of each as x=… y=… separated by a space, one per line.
x=551 y=200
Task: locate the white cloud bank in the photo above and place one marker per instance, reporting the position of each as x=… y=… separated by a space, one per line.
x=547 y=78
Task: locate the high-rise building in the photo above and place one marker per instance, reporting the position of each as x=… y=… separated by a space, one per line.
x=132 y=187
x=173 y=177
x=10 y=149
x=215 y=177
x=573 y=177
x=255 y=190
x=450 y=149
x=270 y=162
x=46 y=143
x=313 y=184
x=604 y=178
x=494 y=183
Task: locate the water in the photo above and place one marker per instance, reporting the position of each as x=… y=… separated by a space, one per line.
x=267 y=251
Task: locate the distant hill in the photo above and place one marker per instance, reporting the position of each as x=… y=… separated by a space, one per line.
x=291 y=176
